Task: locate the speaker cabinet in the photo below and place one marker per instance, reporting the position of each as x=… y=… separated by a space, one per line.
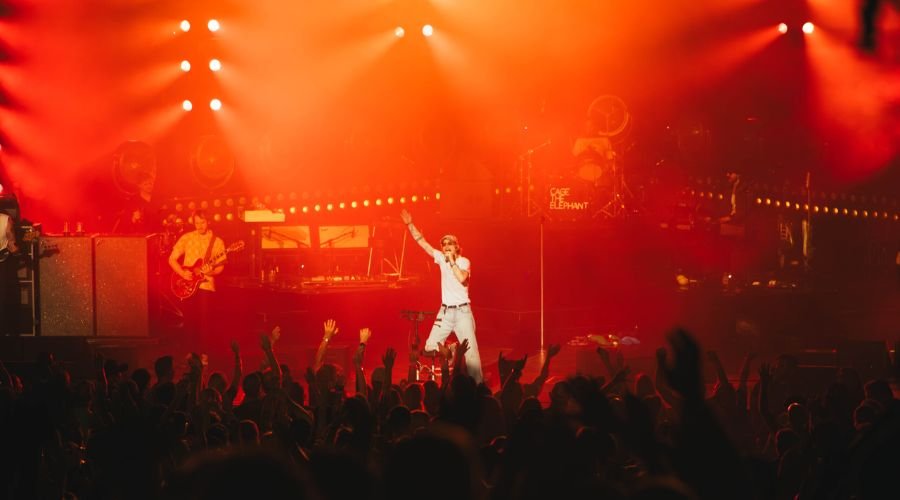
x=66 y=287
x=122 y=267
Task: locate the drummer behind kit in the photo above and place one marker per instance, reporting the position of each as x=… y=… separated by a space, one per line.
x=597 y=177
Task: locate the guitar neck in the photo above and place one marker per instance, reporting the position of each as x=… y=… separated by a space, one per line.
x=217 y=258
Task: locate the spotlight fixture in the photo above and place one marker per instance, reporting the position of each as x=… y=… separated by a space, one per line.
x=185 y=26
x=428 y=30
x=213 y=25
x=187 y=105
x=782 y=28
x=185 y=65
x=215 y=104
x=215 y=65
x=808 y=28
x=399 y=32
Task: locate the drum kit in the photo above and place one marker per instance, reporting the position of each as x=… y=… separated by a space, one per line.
x=594 y=187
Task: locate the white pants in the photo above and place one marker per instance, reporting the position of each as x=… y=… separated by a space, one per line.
x=460 y=321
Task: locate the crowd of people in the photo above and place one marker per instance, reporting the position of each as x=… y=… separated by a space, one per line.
x=175 y=431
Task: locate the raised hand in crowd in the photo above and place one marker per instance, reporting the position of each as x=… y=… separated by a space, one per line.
x=459 y=362
x=683 y=374
x=330 y=329
x=364 y=335
x=534 y=388
x=265 y=342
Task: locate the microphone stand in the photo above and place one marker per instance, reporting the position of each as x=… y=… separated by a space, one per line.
x=525 y=169
x=541 y=306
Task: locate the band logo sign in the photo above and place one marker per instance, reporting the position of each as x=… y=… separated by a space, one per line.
x=560 y=200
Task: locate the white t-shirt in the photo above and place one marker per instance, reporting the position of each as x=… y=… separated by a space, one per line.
x=5 y=222
x=453 y=293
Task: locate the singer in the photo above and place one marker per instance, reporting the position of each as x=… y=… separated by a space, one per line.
x=455 y=314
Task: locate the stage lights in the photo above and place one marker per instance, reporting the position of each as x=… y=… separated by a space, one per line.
x=427 y=31
x=806 y=28
x=187 y=105
x=215 y=64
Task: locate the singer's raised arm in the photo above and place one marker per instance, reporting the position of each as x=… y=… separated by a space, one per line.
x=415 y=233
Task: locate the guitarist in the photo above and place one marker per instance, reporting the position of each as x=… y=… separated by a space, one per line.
x=194 y=245
x=9 y=284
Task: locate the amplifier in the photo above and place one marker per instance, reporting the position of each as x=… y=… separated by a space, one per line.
x=122 y=266
x=66 y=287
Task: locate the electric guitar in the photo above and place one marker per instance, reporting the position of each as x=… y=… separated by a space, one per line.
x=186 y=288
x=27 y=238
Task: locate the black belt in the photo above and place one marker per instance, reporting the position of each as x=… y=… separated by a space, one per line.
x=445 y=306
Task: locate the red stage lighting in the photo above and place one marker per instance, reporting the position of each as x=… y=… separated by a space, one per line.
x=185 y=65
x=187 y=105
x=808 y=28
x=215 y=104
x=782 y=28
x=185 y=26
x=213 y=25
x=215 y=65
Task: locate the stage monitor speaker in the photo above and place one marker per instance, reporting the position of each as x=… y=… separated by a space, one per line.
x=66 y=287
x=122 y=267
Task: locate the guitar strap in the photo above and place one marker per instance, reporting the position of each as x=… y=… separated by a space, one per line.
x=212 y=242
